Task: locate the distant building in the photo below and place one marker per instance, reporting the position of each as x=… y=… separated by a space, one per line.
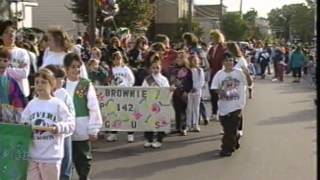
x=55 y=13
x=18 y=9
x=208 y=16
x=168 y=12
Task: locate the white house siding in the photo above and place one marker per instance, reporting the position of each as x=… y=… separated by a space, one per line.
x=54 y=13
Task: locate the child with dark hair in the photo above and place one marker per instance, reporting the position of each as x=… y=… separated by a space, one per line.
x=87 y=111
x=230 y=83
x=155 y=79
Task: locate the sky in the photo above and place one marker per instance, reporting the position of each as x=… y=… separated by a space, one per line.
x=262 y=6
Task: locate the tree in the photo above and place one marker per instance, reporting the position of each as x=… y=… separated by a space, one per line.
x=294 y=21
x=233 y=26
x=183 y=27
x=133 y=13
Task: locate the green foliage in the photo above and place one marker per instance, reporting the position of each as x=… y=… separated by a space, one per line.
x=294 y=20
x=251 y=16
x=233 y=26
x=183 y=27
x=133 y=13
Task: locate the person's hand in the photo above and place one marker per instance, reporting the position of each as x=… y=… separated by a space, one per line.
x=93 y=137
x=172 y=88
x=53 y=129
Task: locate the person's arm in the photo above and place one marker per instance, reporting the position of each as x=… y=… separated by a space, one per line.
x=67 y=124
x=23 y=70
x=247 y=75
x=130 y=77
x=95 y=119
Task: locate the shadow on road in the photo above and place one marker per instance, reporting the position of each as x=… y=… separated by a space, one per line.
x=146 y=170
x=124 y=152
x=300 y=116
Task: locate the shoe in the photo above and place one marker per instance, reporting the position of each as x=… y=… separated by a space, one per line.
x=130 y=138
x=206 y=122
x=156 y=144
x=222 y=132
x=214 y=117
x=225 y=154
x=147 y=144
x=196 y=128
x=237 y=146
x=274 y=80
x=112 y=138
x=240 y=133
x=184 y=132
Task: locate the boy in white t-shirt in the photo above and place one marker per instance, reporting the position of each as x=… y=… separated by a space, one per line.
x=230 y=84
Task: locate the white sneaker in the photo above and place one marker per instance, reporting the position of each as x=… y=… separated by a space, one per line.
x=112 y=138
x=147 y=144
x=156 y=144
x=274 y=80
x=130 y=138
x=184 y=132
x=196 y=128
x=240 y=133
x=214 y=117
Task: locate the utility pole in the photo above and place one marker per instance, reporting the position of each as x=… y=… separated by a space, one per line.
x=92 y=21
x=221 y=13
x=241 y=8
x=190 y=15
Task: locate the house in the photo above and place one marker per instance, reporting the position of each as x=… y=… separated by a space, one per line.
x=18 y=9
x=168 y=13
x=208 y=16
x=55 y=13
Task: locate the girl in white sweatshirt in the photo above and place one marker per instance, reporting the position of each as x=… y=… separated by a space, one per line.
x=55 y=121
x=62 y=94
x=194 y=96
x=156 y=79
x=88 y=116
x=122 y=76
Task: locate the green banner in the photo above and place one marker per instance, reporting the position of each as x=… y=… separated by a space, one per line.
x=14 y=149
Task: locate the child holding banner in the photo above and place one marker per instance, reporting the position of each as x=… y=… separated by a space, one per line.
x=51 y=120
x=158 y=80
x=12 y=100
x=62 y=94
x=88 y=116
x=194 y=96
x=121 y=76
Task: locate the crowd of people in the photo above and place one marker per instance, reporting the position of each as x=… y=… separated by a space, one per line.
x=50 y=82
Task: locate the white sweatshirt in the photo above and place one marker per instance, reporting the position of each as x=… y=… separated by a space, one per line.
x=198 y=79
x=161 y=80
x=47 y=147
x=90 y=124
x=123 y=76
x=57 y=58
x=63 y=95
x=19 y=57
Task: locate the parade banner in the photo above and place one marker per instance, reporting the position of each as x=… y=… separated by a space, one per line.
x=14 y=149
x=135 y=108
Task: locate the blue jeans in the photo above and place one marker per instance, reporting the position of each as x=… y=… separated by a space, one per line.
x=66 y=165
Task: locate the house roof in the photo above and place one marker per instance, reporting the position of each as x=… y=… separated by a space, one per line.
x=208 y=11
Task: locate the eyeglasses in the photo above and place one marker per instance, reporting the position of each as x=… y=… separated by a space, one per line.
x=5 y=60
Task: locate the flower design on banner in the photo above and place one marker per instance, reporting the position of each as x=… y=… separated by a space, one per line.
x=156 y=108
x=137 y=115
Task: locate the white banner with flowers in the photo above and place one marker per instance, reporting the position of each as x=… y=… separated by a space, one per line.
x=135 y=108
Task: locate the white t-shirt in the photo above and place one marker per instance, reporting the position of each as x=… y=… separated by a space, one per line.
x=123 y=76
x=47 y=147
x=232 y=86
x=241 y=62
x=57 y=58
x=63 y=95
x=161 y=81
x=19 y=57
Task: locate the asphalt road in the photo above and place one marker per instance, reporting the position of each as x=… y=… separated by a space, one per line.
x=279 y=143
